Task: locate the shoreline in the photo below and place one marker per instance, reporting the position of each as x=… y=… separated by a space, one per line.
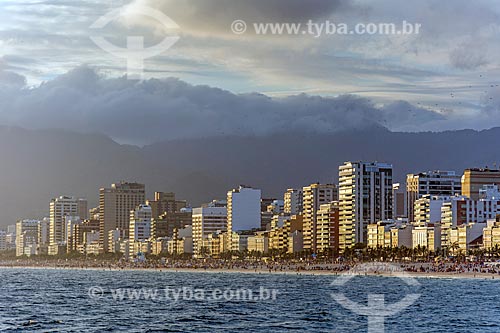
x=398 y=274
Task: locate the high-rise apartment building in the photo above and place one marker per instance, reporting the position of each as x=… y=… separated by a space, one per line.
x=292 y=201
x=327 y=228
x=434 y=183
x=474 y=179
x=140 y=223
x=139 y=227
x=243 y=210
x=61 y=208
x=166 y=223
x=43 y=236
x=71 y=223
x=399 y=209
x=365 y=197
x=314 y=196
x=427 y=209
x=464 y=211
x=115 y=204
x=3 y=240
x=206 y=221
x=164 y=202
x=26 y=237
x=85 y=235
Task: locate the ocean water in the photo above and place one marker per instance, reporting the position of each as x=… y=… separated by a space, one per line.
x=59 y=301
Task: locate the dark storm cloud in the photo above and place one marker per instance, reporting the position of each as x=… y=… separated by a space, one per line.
x=154 y=110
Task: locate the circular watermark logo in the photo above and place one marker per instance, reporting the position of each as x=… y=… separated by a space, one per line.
x=135 y=53
x=376 y=309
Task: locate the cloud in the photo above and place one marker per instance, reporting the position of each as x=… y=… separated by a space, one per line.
x=8 y=78
x=216 y=15
x=444 y=70
x=155 y=110
x=48 y=38
x=469 y=55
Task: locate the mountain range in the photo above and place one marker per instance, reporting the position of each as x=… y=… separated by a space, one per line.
x=37 y=165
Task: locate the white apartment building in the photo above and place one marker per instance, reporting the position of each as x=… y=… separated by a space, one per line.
x=427 y=209
x=365 y=197
x=243 y=210
x=206 y=221
x=71 y=222
x=60 y=208
x=139 y=227
x=433 y=183
x=26 y=237
x=464 y=211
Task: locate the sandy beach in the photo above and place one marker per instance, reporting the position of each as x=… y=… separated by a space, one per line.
x=397 y=274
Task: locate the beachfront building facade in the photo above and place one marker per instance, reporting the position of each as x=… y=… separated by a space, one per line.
x=427 y=236
x=327 y=227
x=206 y=221
x=243 y=212
x=259 y=243
x=115 y=205
x=473 y=181
x=491 y=234
x=427 y=209
x=465 y=237
x=314 y=196
x=239 y=242
x=292 y=200
x=365 y=197
x=26 y=237
x=463 y=211
x=399 y=201
x=432 y=183
x=61 y=208
x=140 y=229
x=389 y=233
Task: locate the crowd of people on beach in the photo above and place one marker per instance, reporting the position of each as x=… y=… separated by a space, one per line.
x=271 y=266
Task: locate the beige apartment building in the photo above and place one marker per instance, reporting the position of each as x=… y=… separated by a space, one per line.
x=327 y=227
x=473 y=180
x=314 y=196
x=115 y=204
x=61 y=208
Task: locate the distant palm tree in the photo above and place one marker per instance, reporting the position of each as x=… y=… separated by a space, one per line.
x=454 y=247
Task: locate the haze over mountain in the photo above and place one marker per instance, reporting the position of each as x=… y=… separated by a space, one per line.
x=40 y=164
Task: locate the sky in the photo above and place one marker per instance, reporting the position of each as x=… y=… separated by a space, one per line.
x=215 y=82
